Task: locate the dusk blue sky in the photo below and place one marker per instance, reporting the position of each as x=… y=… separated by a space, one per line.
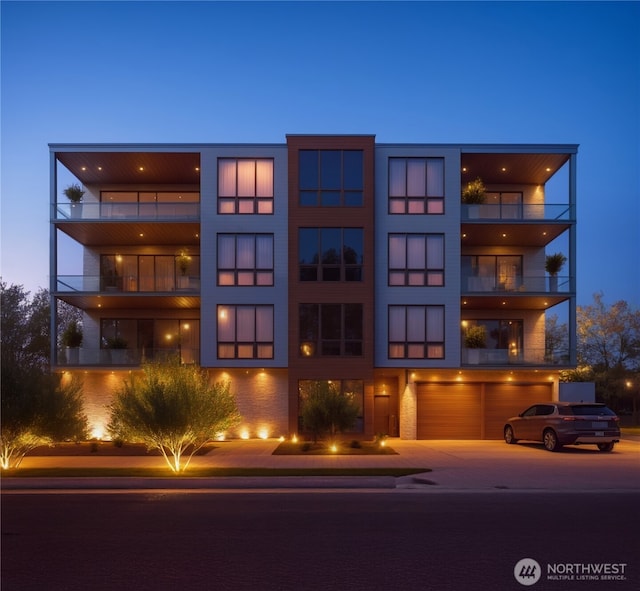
x=416 y=72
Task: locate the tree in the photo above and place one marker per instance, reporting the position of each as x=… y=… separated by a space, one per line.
x=326 y=410
x=609 y=344
x=172 y=408
x=37 y=406
x=556 y=339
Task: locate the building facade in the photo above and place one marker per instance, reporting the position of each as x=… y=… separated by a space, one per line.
x=330 y=258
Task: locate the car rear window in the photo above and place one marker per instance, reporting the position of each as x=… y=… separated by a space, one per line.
x=586 y=409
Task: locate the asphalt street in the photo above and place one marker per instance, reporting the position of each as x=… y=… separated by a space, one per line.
x=309 y=540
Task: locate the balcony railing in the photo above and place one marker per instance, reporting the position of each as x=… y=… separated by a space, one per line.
x=128 y=211
x=517 y=284
x=522 y=357
x=129 y=284
x=517 y=212
x=88 y=357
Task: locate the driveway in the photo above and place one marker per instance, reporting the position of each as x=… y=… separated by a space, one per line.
x=455 y=465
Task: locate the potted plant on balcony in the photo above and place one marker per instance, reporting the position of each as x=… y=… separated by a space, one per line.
x=183 y=262
x=553 y=265
x=74 y=193
x=475 y=338
x=72 y=339
x=118 y=349
x=474 y=195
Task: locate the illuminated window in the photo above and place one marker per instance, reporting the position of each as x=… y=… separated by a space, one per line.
x=245 y=332
x=416 y=332
x=416 y=259
x=245 y=185
x=331 y=178
x=330 y=330
x=245 y=259
x=416 y=185
x=330 y=254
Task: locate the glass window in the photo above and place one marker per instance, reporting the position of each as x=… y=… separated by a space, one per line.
x=245 y=259
x=245 y=332
x=330 y=254
x=331 y=178
x=416 y=332
x=331 y=329
x=416 y=259
x=245 y=186
x=416 y=185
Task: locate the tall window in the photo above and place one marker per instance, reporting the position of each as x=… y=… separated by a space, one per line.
x=245 y=332
x=331 y=178
x=416 y=185
x=491 y=272
x=330 y=329
x=245 y=185
x=504 y=204
x=416 y=259
x=330 y=254
x=416 y=332
x=245 y=259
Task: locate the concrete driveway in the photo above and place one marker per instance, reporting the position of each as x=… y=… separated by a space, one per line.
x=455 y=465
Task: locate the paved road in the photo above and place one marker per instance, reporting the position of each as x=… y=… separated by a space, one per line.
x=306 y=541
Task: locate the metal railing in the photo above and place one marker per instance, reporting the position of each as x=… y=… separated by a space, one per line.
x=511 y=357
x=518 y=212
x=160 y=284
x=516 y=285
x=128 y=211
x=94 y=357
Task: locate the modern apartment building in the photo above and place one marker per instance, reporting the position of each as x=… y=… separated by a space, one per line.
x=322 y=258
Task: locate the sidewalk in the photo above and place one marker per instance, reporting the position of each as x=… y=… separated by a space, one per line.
x=449 y=465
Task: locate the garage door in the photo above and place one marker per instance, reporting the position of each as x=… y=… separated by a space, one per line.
x=472 y=411
x=448 y=411
x=507 y=400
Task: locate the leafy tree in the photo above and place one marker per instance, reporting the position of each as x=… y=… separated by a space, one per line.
x=609 y=345
x=172 y=408
x=326 y=410
x=37 y=406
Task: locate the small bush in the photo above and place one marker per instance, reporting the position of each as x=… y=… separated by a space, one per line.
x=355 y=444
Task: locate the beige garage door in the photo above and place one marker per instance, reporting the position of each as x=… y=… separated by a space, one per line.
x=448 y=411
x=472 y=411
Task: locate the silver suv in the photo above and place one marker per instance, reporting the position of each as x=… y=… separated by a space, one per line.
x=565 y=423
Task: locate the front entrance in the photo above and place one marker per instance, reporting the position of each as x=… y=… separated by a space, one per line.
x=382 y=420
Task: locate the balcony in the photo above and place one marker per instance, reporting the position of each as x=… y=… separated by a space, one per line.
x=514 y=285
x=517 y=212
x=91 y=357
x=137 y=211
x=515 y=357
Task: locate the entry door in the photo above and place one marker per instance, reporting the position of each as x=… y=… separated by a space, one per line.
x=381 y=415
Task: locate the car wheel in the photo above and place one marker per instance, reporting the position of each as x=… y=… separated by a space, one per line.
x=550 y=440
x=508 y=435
x=606 y=446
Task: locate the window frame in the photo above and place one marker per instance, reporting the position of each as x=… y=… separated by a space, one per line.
x=424 y=204
x=240 y=346
x=409 y=274
x=237 y=271
x=325 y=192
x=347 y=272
x=408 y=345
x=245 y=204
x=321 y=344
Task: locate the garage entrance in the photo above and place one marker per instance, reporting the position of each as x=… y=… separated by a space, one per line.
x=474 y=410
